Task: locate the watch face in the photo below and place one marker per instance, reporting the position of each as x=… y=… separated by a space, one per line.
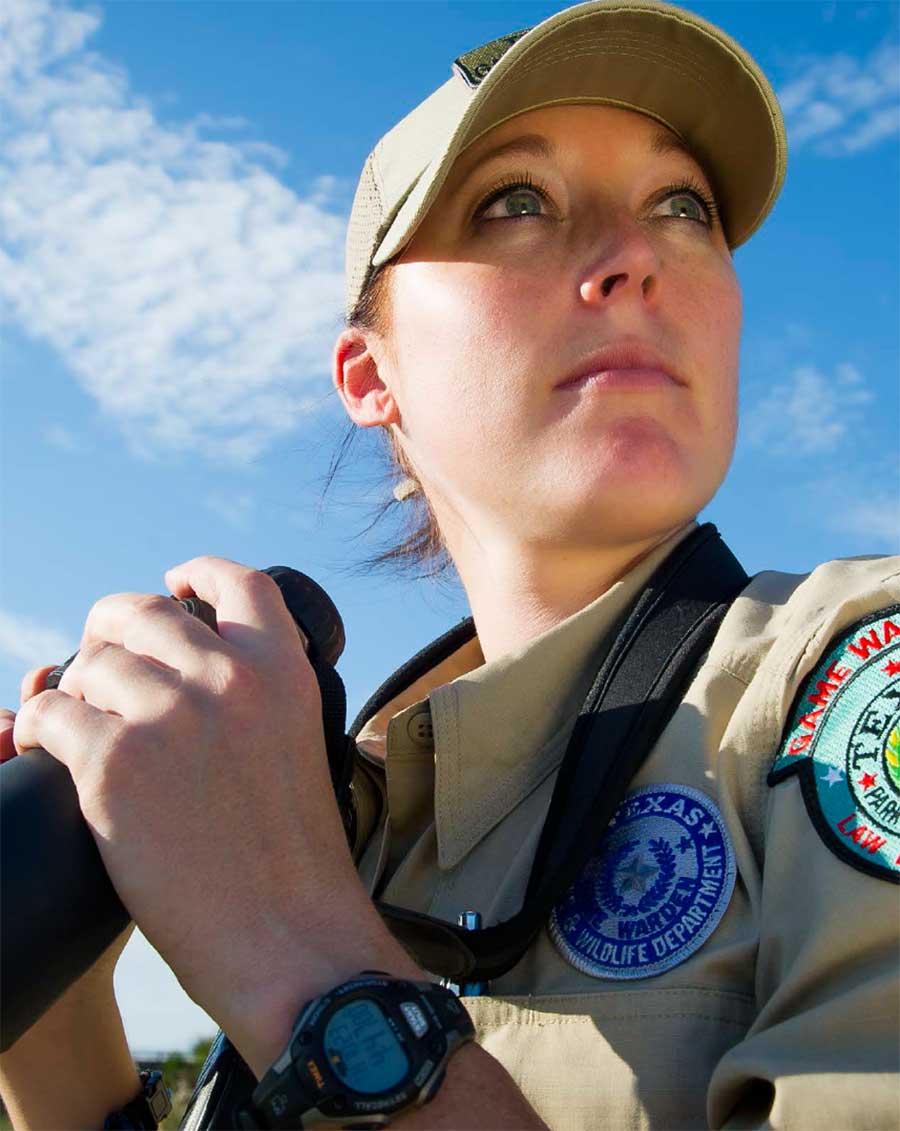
x=362 y=1049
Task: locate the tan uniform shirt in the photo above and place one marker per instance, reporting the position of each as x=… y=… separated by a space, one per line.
x=787 y=1014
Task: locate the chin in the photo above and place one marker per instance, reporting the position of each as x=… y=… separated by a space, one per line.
x=640 y=485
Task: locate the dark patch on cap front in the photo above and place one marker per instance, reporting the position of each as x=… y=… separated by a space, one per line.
x=477 y=63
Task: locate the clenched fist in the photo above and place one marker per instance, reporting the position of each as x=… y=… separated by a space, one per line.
x=200 y=765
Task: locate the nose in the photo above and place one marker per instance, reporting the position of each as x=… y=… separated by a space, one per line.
x=627 y=264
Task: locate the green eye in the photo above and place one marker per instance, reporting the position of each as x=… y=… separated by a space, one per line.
x=688 y=202
x=687 y=207
x=517 y=197
x=522 y=202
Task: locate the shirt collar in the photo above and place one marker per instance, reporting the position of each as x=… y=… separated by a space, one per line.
x=501 y=728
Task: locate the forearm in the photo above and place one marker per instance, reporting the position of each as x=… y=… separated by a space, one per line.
x=72 y=1067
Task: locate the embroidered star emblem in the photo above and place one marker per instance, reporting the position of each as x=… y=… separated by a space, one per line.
x=892 y=667
x=833 y=776
x=707 y=829
x=635 y=876
x=684 y=844
x=867 y=780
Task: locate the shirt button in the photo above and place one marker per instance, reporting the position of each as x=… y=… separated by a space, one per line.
x=420 y=730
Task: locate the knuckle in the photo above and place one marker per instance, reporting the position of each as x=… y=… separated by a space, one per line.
x=98 y=609
x=153 y=604
x=40 y=707
x=259 y=584
x=178 y=696
x=90 y=650
x=238 y=681
x=205 y=563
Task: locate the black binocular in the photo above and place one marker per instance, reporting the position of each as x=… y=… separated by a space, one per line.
x=59 y=909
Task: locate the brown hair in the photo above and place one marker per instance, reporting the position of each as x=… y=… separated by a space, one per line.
x=421 y=550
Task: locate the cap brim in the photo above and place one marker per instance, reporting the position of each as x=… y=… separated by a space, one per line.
x=641 y=55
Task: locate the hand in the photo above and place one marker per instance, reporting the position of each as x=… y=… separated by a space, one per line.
x=200 y=765
x=101 y=973
x=96 y=984
x=32 y=684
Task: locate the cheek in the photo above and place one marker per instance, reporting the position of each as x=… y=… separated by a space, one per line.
x=716 y=331
x=461 y=342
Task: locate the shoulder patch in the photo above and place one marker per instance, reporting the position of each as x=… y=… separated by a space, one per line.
x=843 y=742
x=660 y=882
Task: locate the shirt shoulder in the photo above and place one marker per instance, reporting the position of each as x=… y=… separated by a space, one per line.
x=780 y=640
x=781 y=623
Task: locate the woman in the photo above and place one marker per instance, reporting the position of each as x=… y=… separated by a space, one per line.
x=545 y=317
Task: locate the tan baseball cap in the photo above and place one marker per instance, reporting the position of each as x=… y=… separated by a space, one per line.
x=642 y=55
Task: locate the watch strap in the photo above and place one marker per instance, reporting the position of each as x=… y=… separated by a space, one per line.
x=291 y=1092
x=147 y=1110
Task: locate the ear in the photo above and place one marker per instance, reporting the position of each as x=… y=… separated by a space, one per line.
x=368 y=400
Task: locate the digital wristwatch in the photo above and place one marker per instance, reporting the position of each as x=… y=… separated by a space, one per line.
x=371 y=1048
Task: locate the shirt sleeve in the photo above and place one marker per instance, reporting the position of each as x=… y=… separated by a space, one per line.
x=824 y=1050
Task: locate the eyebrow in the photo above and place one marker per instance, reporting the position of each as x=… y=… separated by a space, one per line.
x=536 y=145
x=662 y=142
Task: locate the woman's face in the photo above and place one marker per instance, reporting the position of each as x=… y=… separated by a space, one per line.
x=561 y=232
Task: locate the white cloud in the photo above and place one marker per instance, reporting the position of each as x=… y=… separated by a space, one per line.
x=192 y=294
x=64 y=440
x=875 y=519
x=23 y=640
x=843 y=104
x=883 y=123
x=808 y=413
x=236 y=508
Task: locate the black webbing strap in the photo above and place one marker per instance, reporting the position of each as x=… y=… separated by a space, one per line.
x=634 y=695
x=423 y=661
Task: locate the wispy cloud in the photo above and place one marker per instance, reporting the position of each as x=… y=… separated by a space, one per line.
x=64 y=440
x=876 y=520
x=808 y=413
x=236 y=508
x=25 y=641
x=842 y=105
x=189 y=291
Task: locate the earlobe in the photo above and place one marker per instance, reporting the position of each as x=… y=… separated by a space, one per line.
x=365 y=396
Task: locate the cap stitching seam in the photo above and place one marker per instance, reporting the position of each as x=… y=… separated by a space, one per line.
x=625 y=48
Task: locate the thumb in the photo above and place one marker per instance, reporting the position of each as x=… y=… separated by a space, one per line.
x=7 y=747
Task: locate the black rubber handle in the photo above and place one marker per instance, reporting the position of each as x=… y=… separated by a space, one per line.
x=58 y=908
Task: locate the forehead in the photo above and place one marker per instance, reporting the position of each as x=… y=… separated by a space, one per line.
x=542 y=132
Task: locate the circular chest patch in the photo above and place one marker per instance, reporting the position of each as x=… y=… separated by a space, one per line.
x=843 y=741
x=655 y=891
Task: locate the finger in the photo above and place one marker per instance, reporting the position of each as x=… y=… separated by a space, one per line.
x=249 y=606
x=113 y=679
x=153 y=626
x=7 y=747
x=33 y=682
x=71 y=730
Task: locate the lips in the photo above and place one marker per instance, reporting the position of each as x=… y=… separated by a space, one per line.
x=623 y=364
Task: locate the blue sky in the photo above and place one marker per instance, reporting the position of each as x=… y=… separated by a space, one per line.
x=177 y=180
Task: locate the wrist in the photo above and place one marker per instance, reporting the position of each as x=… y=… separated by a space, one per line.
x=261 y=1028
x=360 y=1054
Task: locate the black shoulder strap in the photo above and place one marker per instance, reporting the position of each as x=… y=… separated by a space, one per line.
x=635 y=693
